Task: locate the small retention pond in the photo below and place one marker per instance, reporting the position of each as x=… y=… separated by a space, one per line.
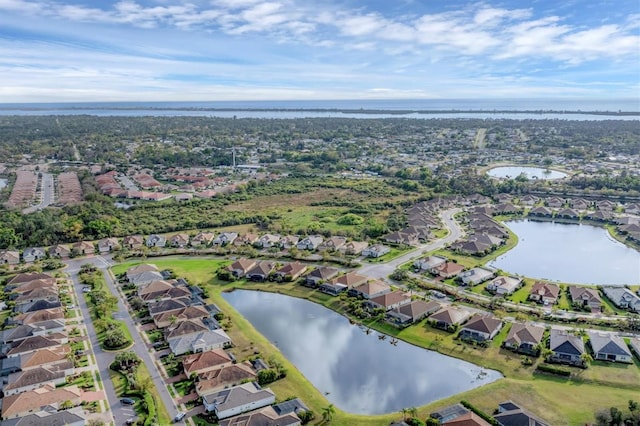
x=513 y=172
x=571 y=253
x=358 y=372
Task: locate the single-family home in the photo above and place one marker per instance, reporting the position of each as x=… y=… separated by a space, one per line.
x=449 y=318
x=376 y=250
x=179 y=240
x=566 y=347
x=529 y=200
x=38 y=316
x=206 y=361
x=35 y=343
x=353 y=248
x=133 y=242
x=370 y=289
x=555 y=202
x=609 y=347
x=9 y=257
x=606 y=205
x=579 y=204
x=246 y=239
x=310 y=243
x=143 y=274
x=622 y=297
x=241 y=267
x=430 y=262
x=192 y=312
x=320 y=275
x=59 y=251
x=351 y=279
x=202 y=239
x=412 y=312
x=476 y=276
x=156 y=240
x=524 y=337
x=634 y=342
x=238 y=399
x=468 y=419
x=225 y=377
x=268 y=241
x=22 y=404
x=503 y=285
x=261 y=271
x=264 y=416
x=388 y=301
x=289 y=241
x=290 y=272
x=33 y=254
x=544 y=292
x=83 y=248
x=448 y=413
x=399 y=237
x=162 y=290
x=447 y=270
x=107 y=245
x=481 y=327
x=199 y=341
x=333 y=243
x=511 y=414
x=541 y=211
x=585 y=297
x=34 y=378
x=45 y=417
x=568 y=214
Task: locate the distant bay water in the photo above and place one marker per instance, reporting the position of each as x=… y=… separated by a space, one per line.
x=601 y=109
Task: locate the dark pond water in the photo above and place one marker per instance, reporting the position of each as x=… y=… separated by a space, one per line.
x=358 y=372
x=573 y=253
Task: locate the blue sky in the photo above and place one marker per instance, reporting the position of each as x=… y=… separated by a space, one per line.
x=204 y=50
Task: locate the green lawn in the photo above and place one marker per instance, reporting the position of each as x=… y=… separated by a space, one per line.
x=196 y=270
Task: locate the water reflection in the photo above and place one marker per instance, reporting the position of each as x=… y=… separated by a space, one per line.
x=358 y=372
x=513 y=172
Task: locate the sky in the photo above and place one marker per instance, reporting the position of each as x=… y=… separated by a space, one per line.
x=212 y=50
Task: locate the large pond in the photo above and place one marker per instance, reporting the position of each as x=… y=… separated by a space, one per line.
x=356 y=370
x=512 y=172
x=573 y=253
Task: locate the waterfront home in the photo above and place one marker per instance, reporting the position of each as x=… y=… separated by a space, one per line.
x=449 y=317
x=568 y=214
x=107 y=245
x=468 y=419
x=290 y=271
x=412 y=312
x=133 y=242
x=447 y=270
x=541 y=211
x=241 y=267
x=225 y=377
x=203 y=362
x=238 y=399
x=158 y=290
x=83 y=248
x=567 y=348
x=503 y=285
x=623 y=298
x=156 y=240
x=476 y=276
x=192 y=312
x=389 y=301
x=198 y=341
x=261 y=271
x=506 y=208
x=481 y=327
x=264 y=416
x=448 y=413
x=430 y=262
x=609 y=347
x=370 y=289
x=524 y=338
x=585 y=297
x=310 y=243
x=22 y=404
x=225 y=238
x=59 y=251
x=376 y=250
x=511 y=414
x=544 y=292
x=351 y=279
x=33 y=254
x=320 y=275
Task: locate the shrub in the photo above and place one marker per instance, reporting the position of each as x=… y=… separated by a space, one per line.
x=553 y=370
x=479 y=412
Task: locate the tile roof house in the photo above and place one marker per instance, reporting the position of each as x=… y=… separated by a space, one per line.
x=447 y=269
x=524 y=337
x=449 y=317
x=449 y=413
x=107 y=245
x=370 y=289
x=566 y=347
x=155 y=240
x=9 y=257
x=388 y=301
x=162 y=290
x=268 y=241
x=241 y=267
x=585 y=297
x=34 y=378
x=310 y=243
x=206 y=361
x=133 y=242
x=179 y=240
x=83 y=248
x=351 y=279
x=38 y=316
x=203 y=239
x=35 y=343
x=320 y=275
x=481 y=327
x=332 y=243
x=476 y=276
x=609 y=347
x=70 y=417
x=469 y=419
x=376 y=250
x=289 y=241
x=544 y=292
x=225 y=238
x=246 y=239
x=225 y=377
x=22 y=404
x=140 y=269
x=261 y=271
x=511 y=414
x=623 y=298
x=37 y=305
x=353 y=248
x=290 y=272
x=503 y=285
x=412 y=312
x=194 y=336
x=238 y=399
x=28 y=276
x=634 y=342
x=167 y=318
x=266 y=416
x=430 y=262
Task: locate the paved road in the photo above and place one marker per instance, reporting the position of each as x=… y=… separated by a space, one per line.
x=383 y=270
x=47 y=194
x=120 y=412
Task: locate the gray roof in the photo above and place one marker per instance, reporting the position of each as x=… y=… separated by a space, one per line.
x=186 y=343
x=42 y=418
x=608 y=343
x=238 y=396
x=513 y=415
x=290 y=406
x=449 y=413
x=562 y=341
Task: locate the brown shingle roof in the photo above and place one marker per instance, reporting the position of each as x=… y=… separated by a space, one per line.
x=203 y=360
x=217 y=379
x=36 y=399
x=524 y=332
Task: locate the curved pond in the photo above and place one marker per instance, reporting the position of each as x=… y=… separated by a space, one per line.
x=357 y=371
x=512 y=172
x=572 y=253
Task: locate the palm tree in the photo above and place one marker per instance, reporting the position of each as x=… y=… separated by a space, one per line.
x=586 y=358
x=404 y=412
x=413 y=412
x=327 y=413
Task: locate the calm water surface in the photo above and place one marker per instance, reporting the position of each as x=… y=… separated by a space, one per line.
x=513 y=172
x=3 y=183
x=359 y=373
x=574 y=253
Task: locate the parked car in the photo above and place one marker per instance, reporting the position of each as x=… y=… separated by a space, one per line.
x=128 y=401
x=179 y=416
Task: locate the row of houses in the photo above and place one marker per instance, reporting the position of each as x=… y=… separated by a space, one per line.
x=36 y=357
x=485 y=234
x=422 y=217
x=508 y=413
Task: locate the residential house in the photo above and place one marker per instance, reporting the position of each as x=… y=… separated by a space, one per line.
x=375 y=251
x=503 y=285
x=261 y=271
x=133 y=242
x=568 y=214
x=203 y=362
x=225 y=377
x=156 y=240
x=203 y=239
x=634 y=342
x=241 y=267
x=162 y=290
x=37 y=305
x=412 y=312
x=179 y=240
x=585 y=297
x=476 y=276
x=389 y=301
x=599 y=216
x=510 y=414
x=9 y=257
x=448 y=413
x=107 y=245
x=529 y=200
x=606 y=205
x=144 y=278
x=238 y=399
x=266 y=416
x=555 y=202
x=351 y=279
x=370 y=289
x=544 y=292
x=310 y=243
x=331 y=244
x=541 y=211
x=290 y=271
x=167 y=305
x=38 y=316
x=320 y=275
x=83 y=248
x=566 y=347
x=469 y=419
x=268 y=241
x=447 y=270
x=57 y=358
x=430 y=262
x=353 y=248
x=623 y=298
x=59 y=251
x=609 y=347
x=25 y=403
x=21 y=332
x=401 y=238
x=289 y=241
x=579 y=204
x=247 y=239
x=34 y=378
x=44 y=417
x=167 y=318
x=199 y=341
x=33 y=254
x=524 y=337
x=481 y=327
x=449 y=317
x=506 y=208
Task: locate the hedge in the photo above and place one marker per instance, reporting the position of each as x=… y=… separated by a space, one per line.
x=553 y=370
x=479 y=412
